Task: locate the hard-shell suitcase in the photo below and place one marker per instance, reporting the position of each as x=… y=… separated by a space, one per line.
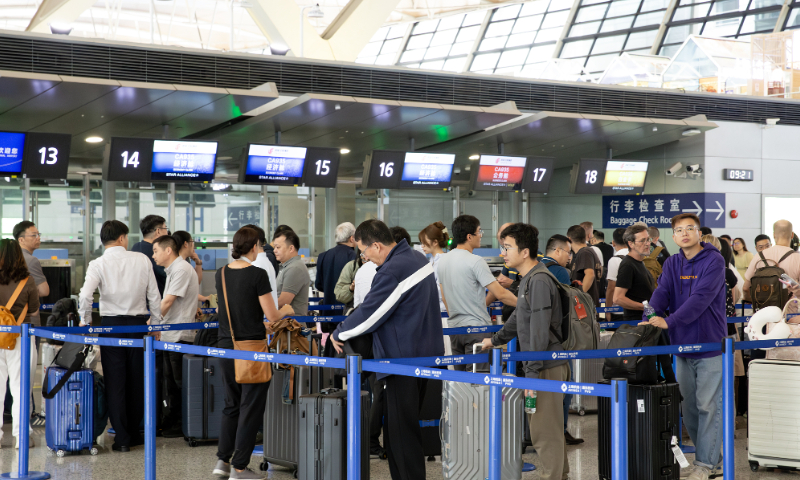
x=589 y=370
x=49 y=352
x=323 y=435
x=430 y=416
x=70 y=424
x=772 y=439
x=203 y=398
x=465 y=432
x=653 y=412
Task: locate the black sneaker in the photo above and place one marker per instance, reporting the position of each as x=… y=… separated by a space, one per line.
x=379 y=453
x=176 y=431
x=572 y=440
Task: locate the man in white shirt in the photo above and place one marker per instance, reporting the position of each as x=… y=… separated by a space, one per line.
x=263 y=262
x=179 y=305
x=613 y=265
x=127 y=284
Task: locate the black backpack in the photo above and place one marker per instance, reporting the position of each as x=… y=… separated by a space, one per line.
x=65 y=314
x=207 y=337
x=766 y=290
x=636 y=370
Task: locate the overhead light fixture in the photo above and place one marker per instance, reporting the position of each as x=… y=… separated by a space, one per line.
x=315 y=12
x=344 y=151
x=474 y=157
x=94 y=139
x=337 y=107
x=278 y=49
x=60 y=29
x=691 y=132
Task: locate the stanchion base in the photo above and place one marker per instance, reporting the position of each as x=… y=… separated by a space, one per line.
x=29 y=476
x=687 y=449
x=528 y=467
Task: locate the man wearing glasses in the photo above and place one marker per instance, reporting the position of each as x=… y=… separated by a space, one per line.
x=29 y=239
x=692 y=288
x=634 y=282
x=152 y=227
x=465 y=277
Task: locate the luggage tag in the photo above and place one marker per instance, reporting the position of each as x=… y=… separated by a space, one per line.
x=580 y=310
x=676 y=450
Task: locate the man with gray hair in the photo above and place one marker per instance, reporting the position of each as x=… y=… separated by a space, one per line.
x=330 y=264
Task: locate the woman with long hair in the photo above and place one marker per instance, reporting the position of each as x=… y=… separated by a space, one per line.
x=741 y=256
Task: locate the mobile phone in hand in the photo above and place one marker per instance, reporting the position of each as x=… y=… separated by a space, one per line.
x=788 y=281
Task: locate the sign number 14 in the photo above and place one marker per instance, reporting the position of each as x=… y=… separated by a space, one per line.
x=133 y=160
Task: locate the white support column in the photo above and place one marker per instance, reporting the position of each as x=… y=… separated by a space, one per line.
x=86 y=211
x=265 y=210
x=456 y=200
x=477 y=42
x=331 y=217
x=380 y=204
x=110 y=201
x=565 y=31
x=782 y=16
x=26 y=199
x=525 y=215
x=171 y=207
x=662 y=30
x=311 y=218
x=495 y=217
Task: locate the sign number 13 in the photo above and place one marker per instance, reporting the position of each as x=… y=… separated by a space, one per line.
x=49 y=155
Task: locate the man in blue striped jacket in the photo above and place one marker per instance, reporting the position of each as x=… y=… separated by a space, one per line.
x=401 y=312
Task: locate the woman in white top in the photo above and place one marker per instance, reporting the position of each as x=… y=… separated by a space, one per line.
x=434 y=239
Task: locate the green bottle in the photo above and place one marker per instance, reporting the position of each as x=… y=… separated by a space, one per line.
x=530 y=403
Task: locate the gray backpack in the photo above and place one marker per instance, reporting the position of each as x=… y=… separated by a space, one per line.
x=579 y=328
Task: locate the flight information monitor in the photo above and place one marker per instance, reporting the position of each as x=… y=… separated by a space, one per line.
x=427 y=170
x=499 y=173
x=538 y=172
x=322 y=166
x=183 y=161
x=384 y=168
x=588 y=176
x=46 y=155
x=274 y=165
x=625 y=176
x=128 y=160
x=12 y=145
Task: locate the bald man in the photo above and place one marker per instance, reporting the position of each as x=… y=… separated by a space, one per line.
x=781 y=253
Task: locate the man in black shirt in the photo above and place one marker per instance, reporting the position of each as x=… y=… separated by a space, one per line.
x=655 y=243
x=152 y=227
x=585 y=268
x=635 y=284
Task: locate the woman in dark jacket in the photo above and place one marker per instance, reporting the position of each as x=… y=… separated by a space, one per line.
x=250 y=301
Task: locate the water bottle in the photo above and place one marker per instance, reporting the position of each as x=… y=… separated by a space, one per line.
x=649 y=311
x=530 y=403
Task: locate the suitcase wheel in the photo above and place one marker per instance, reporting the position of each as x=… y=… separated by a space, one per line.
x=264 y=466
x=430 y=459
x=192 y=442
x=60 y=453
x=294 y=474
x=94 y=451
x=582 y=412
x=753 y=466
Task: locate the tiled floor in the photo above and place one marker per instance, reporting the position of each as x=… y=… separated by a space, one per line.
x=175 y=460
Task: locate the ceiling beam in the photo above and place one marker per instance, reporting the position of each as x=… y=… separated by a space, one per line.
x=355 y=25
x=57 y=11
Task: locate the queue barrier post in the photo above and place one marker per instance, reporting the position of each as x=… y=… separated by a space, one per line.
x=354 y=417
x=149 y=409
x=728 y=409
x=512 y=365
x=619 y=429
x=495 y=417
x=24 y=399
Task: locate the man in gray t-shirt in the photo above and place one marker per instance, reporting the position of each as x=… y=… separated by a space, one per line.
x=29 y=239
x=464 y=278
x=293 y=279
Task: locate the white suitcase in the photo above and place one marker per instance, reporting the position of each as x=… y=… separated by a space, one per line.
x=773 y=421
x=589 y=370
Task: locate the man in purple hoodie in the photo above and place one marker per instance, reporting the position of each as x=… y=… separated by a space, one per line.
x=692 y=289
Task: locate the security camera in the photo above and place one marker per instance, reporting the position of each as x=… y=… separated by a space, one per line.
x=772 y=121
x=674 y=169
x=694 y=169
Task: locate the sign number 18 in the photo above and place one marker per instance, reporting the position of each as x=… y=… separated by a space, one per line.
x=591 y=176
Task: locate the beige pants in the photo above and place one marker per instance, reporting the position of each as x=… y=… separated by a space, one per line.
x=547 y=428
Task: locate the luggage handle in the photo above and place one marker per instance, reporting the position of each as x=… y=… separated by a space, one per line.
x=475 y=351
x=77 y=414
x=210 y=398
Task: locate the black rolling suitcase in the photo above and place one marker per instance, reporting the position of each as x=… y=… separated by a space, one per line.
x=653 y=412
x=203 y=398
x=323 y=435
x=429 y=418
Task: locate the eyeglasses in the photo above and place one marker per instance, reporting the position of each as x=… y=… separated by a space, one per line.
x=479 y=234
x=644 y=240
x=680 y=230
x=505 y=249
x=34 y=235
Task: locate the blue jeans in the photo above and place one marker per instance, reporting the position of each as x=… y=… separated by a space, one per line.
x=700 y=381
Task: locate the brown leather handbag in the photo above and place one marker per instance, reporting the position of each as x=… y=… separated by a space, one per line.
x=247 y=371
x=9 y=340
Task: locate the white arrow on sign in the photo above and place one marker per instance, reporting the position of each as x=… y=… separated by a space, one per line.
x=231 y=218
x=719 y=211
x=697 y=211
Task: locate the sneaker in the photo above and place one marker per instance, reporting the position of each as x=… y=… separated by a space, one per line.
x=716 y=472
x=572 y=440
x=30 y=442
x=699 y=473
x=246 y=474
x=222 y=469
x=378 y=453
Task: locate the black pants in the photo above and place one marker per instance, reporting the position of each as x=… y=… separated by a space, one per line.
x=462 y=345
x=123 y=370
x=376 y=413
x=242 y=416
x=403 y=439
x=173 y=379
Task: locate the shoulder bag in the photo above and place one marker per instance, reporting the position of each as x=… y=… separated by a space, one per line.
x=247 y=371
x=9 y=340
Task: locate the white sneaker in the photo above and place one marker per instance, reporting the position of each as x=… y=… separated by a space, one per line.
x=715 y=472
x=699 y=473
x=30 y=442
x=222 y=469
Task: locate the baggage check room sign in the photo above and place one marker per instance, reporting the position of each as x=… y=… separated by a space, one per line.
x=621 y=211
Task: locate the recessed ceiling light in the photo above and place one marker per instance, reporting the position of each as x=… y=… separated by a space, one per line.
x=344 y=151
x=94 y=139
x=474 y=157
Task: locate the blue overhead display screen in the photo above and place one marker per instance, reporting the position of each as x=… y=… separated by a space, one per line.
x=427 y=170
x=274 y=165
x=11 y=147
x=179 y=161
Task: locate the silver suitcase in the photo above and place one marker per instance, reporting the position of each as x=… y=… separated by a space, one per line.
x=465 y=432
x=589 y=371
x=773 y=438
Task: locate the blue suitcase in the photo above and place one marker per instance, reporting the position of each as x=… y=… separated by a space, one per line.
x=69 y=426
